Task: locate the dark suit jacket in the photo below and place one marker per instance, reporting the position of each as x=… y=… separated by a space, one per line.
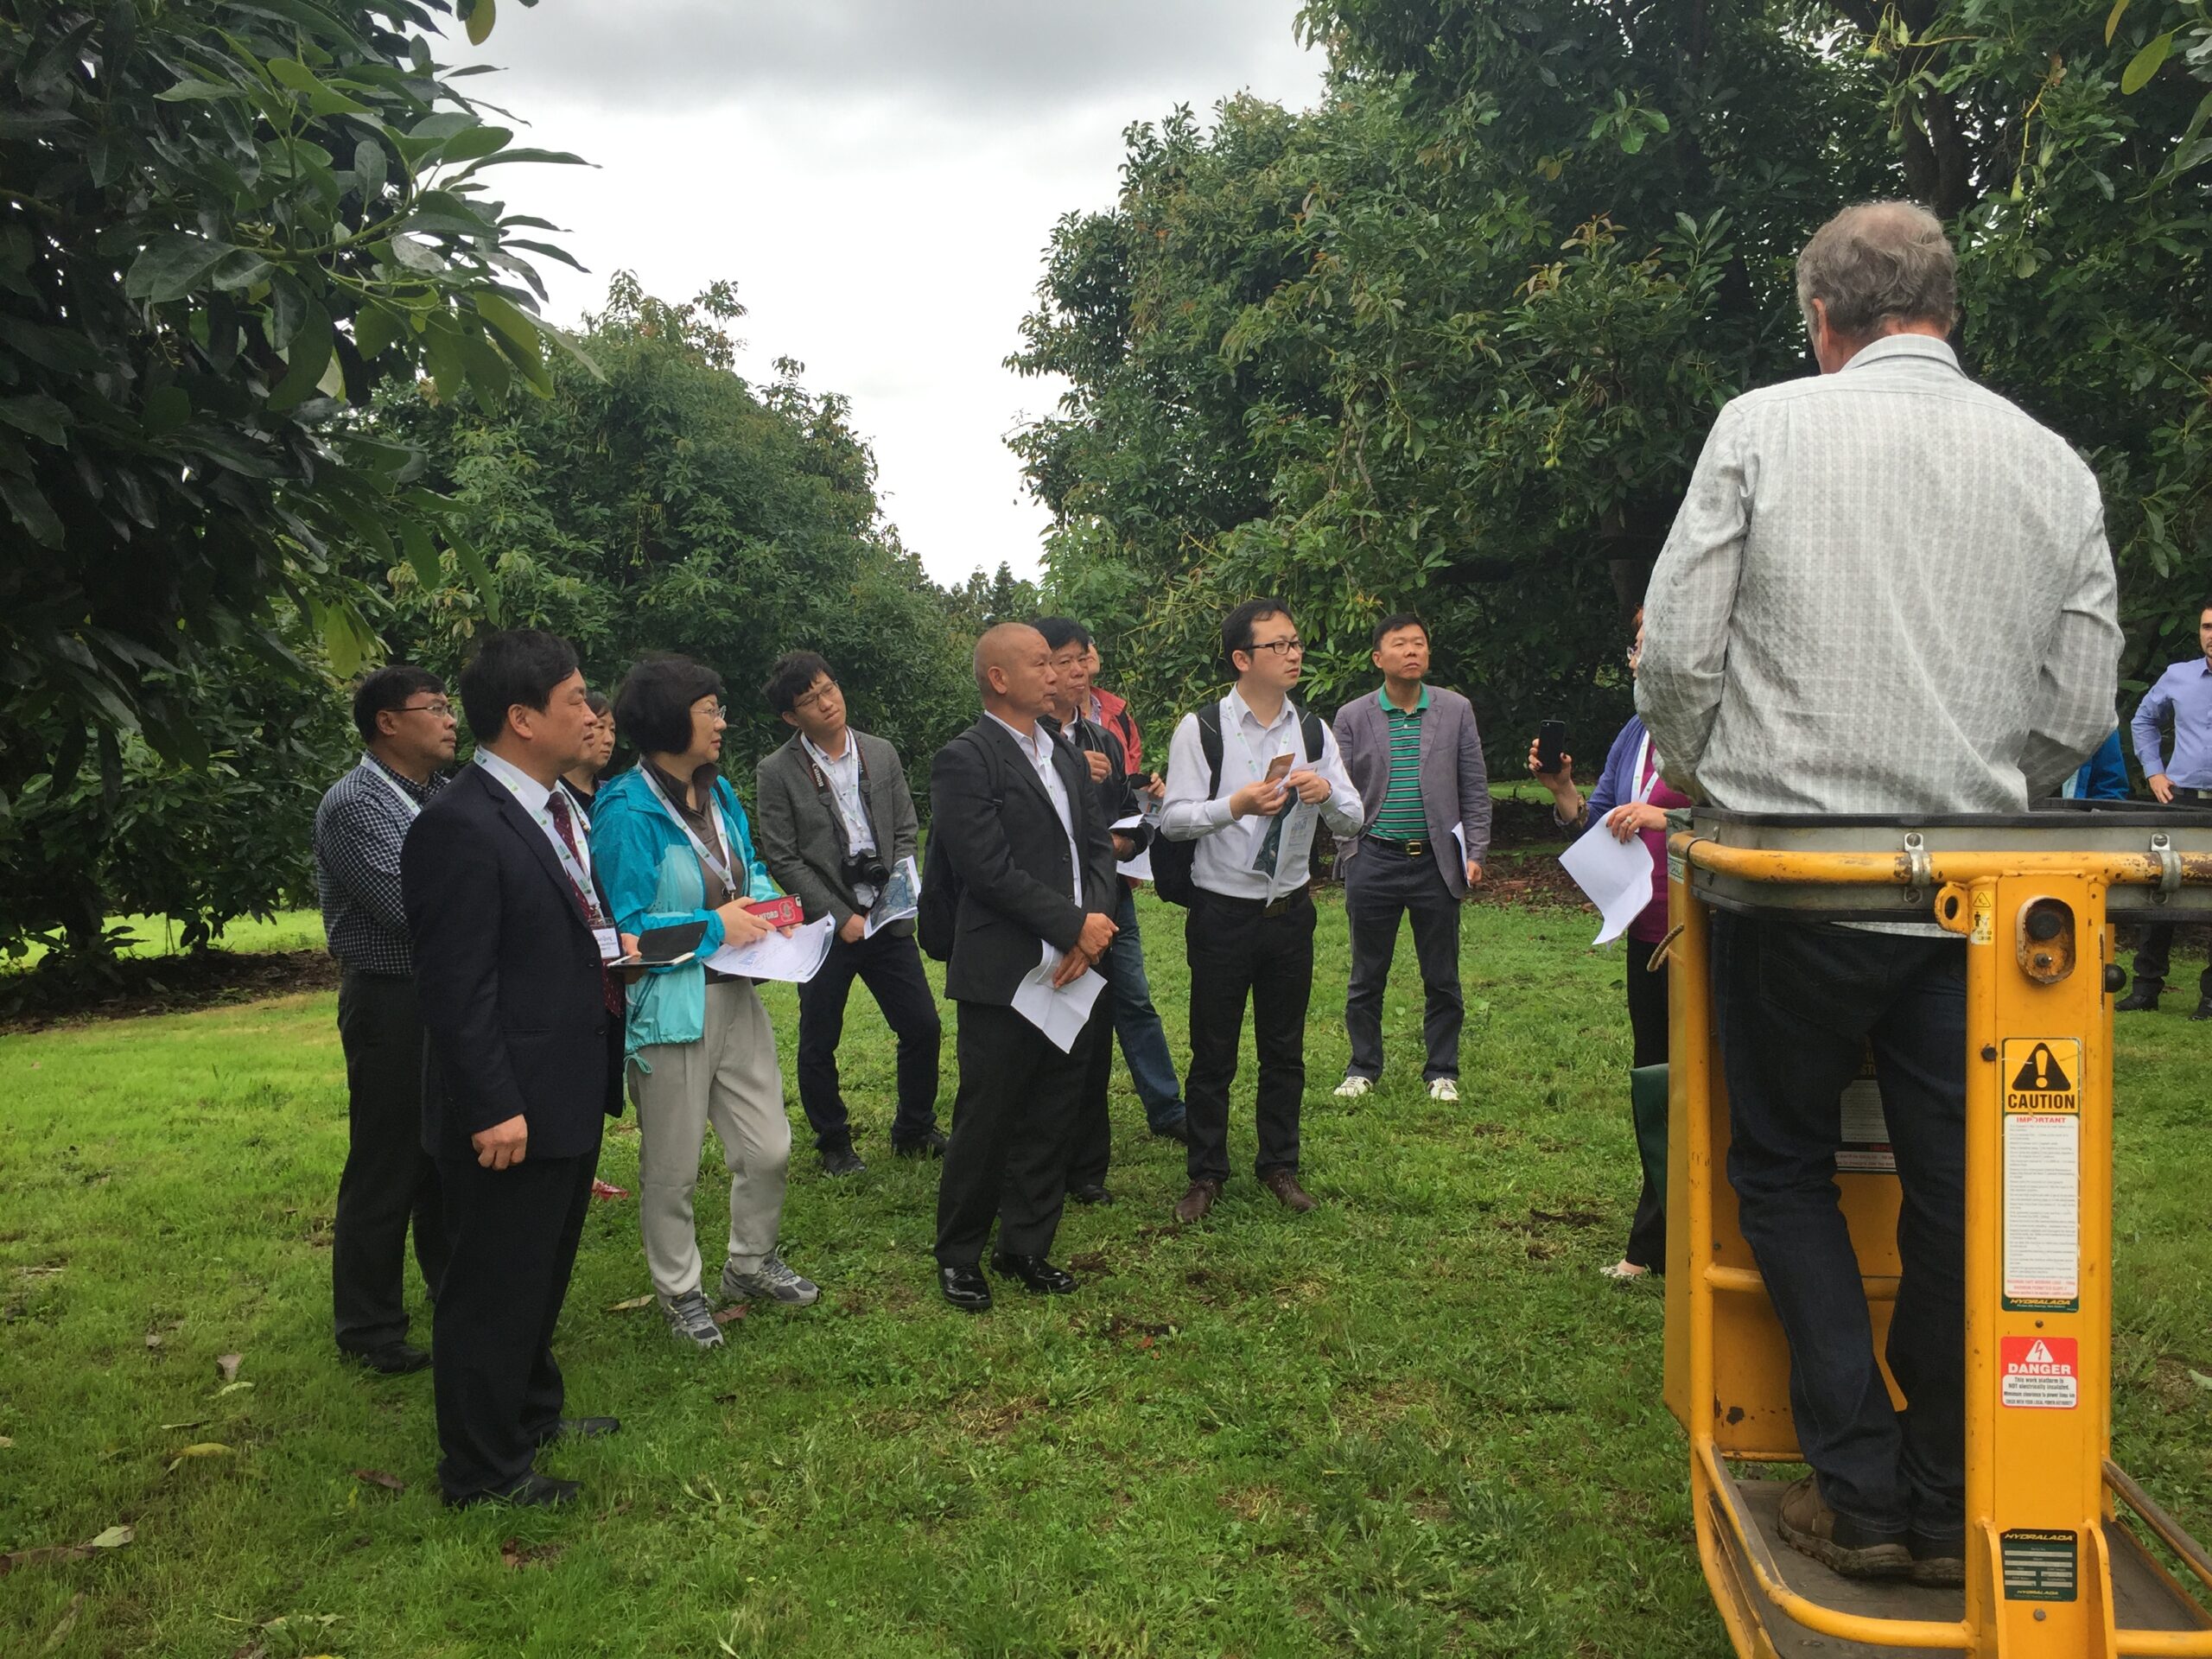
x=507 y=973
x=802 y=836
x=1010 y=855
x=1454 y=787
x=1117 y=793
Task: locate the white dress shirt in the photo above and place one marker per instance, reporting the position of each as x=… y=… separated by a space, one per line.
x=1038 y=747
x=843 y=773
x=1227 y=846
x=533 y=796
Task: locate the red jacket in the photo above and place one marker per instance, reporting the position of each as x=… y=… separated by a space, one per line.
x=1113 y=715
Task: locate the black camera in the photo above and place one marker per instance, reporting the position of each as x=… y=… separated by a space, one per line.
x=865 y=870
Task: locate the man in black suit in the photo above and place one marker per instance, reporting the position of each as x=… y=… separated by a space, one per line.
x=523 y=1017
x=1023 y=840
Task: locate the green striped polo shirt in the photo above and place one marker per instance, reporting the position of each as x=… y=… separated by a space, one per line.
x=1402 y=816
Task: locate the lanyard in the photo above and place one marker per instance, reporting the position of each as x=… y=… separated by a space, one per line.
x=413 y=807
x=723 y=865
x=577 y=860
x=1645 y=785
x=852 y=808
x=1236 y=724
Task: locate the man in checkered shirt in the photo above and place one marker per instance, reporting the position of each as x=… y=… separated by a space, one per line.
x=407 y=725
x=1887 y=591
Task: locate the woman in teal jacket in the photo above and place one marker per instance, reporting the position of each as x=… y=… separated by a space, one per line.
x=672 y=844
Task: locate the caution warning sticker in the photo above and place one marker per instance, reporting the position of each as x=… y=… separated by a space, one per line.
x=1863 y=1144
x=2043 y=1174
x=2040 y=1373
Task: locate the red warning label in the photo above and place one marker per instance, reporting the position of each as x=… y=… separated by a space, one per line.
x=2040 y=1372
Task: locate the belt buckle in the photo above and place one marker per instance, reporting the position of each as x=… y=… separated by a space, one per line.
x=1416 y=850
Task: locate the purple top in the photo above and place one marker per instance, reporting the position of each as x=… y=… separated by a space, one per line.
x=1620 y=781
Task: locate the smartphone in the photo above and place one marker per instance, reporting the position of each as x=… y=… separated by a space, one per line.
x=1279 y=767
x=1551 y=744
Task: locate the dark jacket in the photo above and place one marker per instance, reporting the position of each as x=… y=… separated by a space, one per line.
x=1454 y=787
x=1117 y=791
x=508 y=976
x=1010 y=856
x=802 y=835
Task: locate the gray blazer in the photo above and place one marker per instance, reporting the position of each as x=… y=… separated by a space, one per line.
x=802 y=839
x=1454 y=787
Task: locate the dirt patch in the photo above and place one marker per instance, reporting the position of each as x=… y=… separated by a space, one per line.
x=141 y=985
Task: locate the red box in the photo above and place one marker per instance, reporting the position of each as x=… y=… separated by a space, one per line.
x=2039 y=1373
x=786 y=912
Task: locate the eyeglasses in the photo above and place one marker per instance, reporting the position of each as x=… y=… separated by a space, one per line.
x=714 y=710
x=439 y=709
x=819 y=697
x=1282 y=647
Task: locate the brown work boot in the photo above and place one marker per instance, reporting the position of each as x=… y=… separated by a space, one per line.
x=1837 y=1541
x=1283 y=1183
x=1193 y=1205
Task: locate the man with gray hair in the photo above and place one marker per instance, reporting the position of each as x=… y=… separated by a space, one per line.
x=1887 y=592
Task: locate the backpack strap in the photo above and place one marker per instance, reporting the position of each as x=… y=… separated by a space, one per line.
x=1208 y=719
x=1309 y=727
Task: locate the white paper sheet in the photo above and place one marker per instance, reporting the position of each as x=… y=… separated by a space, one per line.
x=1460 y=840
x=902 y=898
x=796 y=959
x=1140 y=868
x=1061 y=1014
x=1615 y=874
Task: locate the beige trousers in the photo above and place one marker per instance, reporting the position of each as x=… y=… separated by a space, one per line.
x=728 y=1079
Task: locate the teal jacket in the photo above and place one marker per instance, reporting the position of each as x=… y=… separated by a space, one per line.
x=651 y=876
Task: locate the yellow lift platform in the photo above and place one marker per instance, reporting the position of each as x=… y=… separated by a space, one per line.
x=2052 y=1570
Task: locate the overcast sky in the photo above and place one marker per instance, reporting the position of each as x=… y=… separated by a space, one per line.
x=879 y=178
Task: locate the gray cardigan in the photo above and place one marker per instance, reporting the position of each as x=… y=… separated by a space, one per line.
x=802 y=839
x=1454 y=787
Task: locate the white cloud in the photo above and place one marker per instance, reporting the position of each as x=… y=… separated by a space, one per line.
x=879 y=178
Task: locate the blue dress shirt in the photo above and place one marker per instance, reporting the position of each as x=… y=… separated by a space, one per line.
x=2184 y=691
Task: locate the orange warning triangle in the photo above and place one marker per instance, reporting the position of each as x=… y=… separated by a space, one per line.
x=2041 y=1074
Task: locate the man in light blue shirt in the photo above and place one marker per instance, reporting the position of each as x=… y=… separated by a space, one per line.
x=2184 y=693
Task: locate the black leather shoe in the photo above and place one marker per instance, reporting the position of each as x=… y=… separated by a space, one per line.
x=931 y=1144
x=2203 y=1010
x=1176 y=1129
x=581 y=1429
x=1035 y=1271
x=393 y=1359
x=842 y=1160
x=532 y=1491
x=2143 y=999
x=965 y=1288
x=1090 y=1193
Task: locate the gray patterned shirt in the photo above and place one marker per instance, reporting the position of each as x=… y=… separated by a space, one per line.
x=1887 y=591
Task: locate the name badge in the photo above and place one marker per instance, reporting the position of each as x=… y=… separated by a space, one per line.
x=610 y=943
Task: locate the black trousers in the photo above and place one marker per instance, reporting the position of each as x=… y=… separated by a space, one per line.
x=891 y=967
x=1381 y=885
x=1796 y=1006
x=2154 y=959
x=1239 y=952
x=1647 y=1019
x=514 y=1235
x=1012 y=1120
x=1091 y=1140
x=389 y=1180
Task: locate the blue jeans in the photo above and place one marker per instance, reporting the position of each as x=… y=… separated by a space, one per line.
x=1796 y=1005
x=1136 y=1022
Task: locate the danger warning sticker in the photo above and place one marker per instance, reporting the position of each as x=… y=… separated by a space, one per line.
x=2039 y=1373
x=2042 y=1074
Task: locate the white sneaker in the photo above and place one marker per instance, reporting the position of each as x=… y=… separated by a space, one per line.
x=690 y=1320
x=1353 y=1088
x=1443 y=1089
x=771 y=1281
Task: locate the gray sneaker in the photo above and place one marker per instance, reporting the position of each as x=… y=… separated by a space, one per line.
x=688 y=1318
x=771 y=1281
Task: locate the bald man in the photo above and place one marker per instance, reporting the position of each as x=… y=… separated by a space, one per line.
x=1016 y=827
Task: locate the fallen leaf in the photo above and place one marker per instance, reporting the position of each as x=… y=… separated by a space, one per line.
x=251 y=1650
x=200 y=1449
x=378 y=1478
x=5 y=1442
x=731 y=1314
x=515 y=1553
x=230 y=1388
x=634 y=1303
x=2199 y=1379
x=68 y=1623
x=227 y=1367
x=196 y=1422
x=47 y=1554
x=113 y=1538
x=153 y=1339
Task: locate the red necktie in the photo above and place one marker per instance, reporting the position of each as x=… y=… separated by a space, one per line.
x=557 y=804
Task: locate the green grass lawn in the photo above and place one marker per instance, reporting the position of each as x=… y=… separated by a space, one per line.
x=157 y=936
x=1415 y=1422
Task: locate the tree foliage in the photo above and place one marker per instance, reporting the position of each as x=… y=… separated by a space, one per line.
x=664 y=504
x=1453 y=340
x=226 y=224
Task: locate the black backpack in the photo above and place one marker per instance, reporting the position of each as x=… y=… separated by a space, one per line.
x=937 y=911
x=1172 y=861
